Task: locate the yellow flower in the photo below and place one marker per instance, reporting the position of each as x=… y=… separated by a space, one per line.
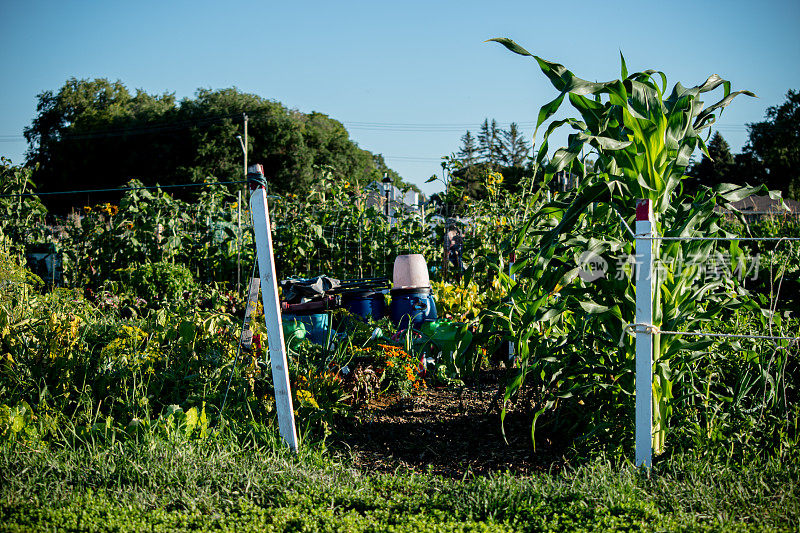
x=87 y=209
x=305 y=397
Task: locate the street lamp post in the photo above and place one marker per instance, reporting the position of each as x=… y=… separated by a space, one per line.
x=387 y=186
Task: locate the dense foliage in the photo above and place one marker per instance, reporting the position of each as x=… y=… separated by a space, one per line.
x=770 y=157
x=95 y=134
x=772 y=152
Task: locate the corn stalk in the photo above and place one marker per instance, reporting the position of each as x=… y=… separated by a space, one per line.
x=567 y=328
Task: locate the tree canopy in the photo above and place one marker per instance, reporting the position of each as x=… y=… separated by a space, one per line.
x=770 y=157
x=772 y=153
x=97 y=134
x=493 y=150
x=711 y=171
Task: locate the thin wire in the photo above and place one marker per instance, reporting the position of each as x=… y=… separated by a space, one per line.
x=655 y=330
x=17 y=195
x=657 y=238
x=729 y=335
x=627 y=227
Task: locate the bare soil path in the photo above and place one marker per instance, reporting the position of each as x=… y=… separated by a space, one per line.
x=444 y=431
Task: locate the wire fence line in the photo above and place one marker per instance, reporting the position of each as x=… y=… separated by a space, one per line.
x=735 y=238
x=652 y=329
x=123 y=189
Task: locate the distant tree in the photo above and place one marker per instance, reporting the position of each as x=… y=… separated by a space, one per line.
x=490 y=143
x=514 y=147
x=747 y=169
x=87 y=123
x=468 y=153
x=773 y=148
x=96 y=134
x=715 y=170
x=494 y=149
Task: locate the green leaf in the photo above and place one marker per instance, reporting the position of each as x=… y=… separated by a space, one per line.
x=511 y=45
x=548 y=110
x=623 y=66
x=592 y=308
x=607 y=143
x=191 y=421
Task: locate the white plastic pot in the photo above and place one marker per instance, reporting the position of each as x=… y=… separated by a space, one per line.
x=410 y=272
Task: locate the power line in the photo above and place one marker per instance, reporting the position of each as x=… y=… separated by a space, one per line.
x=398 y=127
x=426 y=127
x=411 y=158
x=85 y=191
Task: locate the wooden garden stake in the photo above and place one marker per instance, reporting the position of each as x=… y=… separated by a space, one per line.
x=272 y=309
x=252 y=301
x=644 y=336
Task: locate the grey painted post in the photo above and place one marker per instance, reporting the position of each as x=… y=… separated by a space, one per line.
x=644 y=337
x=272 y=309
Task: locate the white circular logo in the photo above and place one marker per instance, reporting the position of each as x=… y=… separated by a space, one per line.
x=591 y=267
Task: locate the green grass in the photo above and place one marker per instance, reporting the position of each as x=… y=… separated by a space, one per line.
x=221 y=484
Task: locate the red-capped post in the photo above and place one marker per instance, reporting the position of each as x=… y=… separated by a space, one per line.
x=644 y=337
x=272 y=307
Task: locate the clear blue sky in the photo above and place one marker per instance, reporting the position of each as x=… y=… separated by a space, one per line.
x=406 y=78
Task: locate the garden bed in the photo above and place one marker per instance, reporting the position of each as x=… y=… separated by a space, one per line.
x=448 y=431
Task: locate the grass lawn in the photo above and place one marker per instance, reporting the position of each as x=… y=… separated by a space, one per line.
x=221 y=484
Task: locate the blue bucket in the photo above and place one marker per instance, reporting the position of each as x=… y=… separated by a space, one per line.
x=366 y=304
x=414 y=305
x=316 y=326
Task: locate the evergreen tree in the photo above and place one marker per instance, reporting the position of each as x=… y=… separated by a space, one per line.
x=718 y=169
x=468 y=153
x=514 y=147
x=490 y=143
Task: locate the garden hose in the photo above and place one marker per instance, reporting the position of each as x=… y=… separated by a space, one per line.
x=256 y=180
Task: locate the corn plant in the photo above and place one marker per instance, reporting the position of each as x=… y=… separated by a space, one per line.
x=567 y=327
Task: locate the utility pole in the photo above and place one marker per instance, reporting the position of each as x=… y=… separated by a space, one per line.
x=239 y=209
x=245 y=146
